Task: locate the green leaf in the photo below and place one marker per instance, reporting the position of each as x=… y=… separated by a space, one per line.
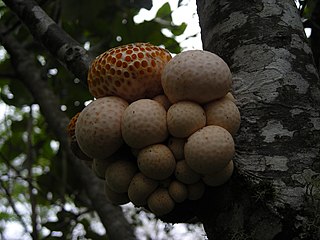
x=165 y=12
x=6 y=216
x=308 y=10
x=178 y=30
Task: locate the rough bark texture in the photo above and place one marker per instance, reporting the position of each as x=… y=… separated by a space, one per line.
x=51 y=36
x=275 y=194
x=111 y=216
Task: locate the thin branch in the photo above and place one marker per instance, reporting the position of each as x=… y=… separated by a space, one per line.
x=58 y=42
x=19 y=176
x=30 y=161
x=13 y=206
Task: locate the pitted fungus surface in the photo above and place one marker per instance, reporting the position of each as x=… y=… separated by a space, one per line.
x=131 y=71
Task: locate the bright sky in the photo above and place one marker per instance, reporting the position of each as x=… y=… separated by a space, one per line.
x=186 y=13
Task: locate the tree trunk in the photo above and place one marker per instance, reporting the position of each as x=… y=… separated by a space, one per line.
x=275 y=193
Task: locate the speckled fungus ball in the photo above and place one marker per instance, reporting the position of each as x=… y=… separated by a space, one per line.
x=184 y=118
x=114 y=197
x=119 y=175
x=71 y=130
x=209 y=150
x=144 y=123
x=160 y=202
x=178 y=191
x=131 y=71
x=176 y=146
x=220 y=177
x=196 y=75
x=156 y=161
x=185 y=174
x=223 y=112
x=98 y=130
x=140 y=189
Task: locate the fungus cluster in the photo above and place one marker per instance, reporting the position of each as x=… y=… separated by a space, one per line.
x=160 y=129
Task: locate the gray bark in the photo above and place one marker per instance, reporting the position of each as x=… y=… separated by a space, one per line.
x=278 y=93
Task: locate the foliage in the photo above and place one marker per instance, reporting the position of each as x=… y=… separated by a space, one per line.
x=310 y=13
x=307 y=8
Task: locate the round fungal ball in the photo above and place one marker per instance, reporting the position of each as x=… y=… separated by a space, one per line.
x=220 y=177
x=119 y=175
x=156 y=161
x=160 y=202
x=131 y=71
x=224 y=113
x=163 y=100
x=77 y=151
x=140 y=189
x=114 y=197
x=178 y=191
x=196 y=190
x=99 y=167
x=71 y=130
x=185 y=174
x=144 y=123
x=209 y=149
x=230 y=97
x=196 y=75
x=184 y=118
x=176 y=146
x=98 y=130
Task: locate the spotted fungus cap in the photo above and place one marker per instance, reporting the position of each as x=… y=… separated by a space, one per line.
x=131 y=71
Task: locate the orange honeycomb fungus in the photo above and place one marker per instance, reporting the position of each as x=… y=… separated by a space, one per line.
x=131 y=71
x=71 y=128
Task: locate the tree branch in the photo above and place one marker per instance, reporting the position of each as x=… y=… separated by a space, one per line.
x=13 y=206
x=61 y=45
x=30 y=160
x=30 y=74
